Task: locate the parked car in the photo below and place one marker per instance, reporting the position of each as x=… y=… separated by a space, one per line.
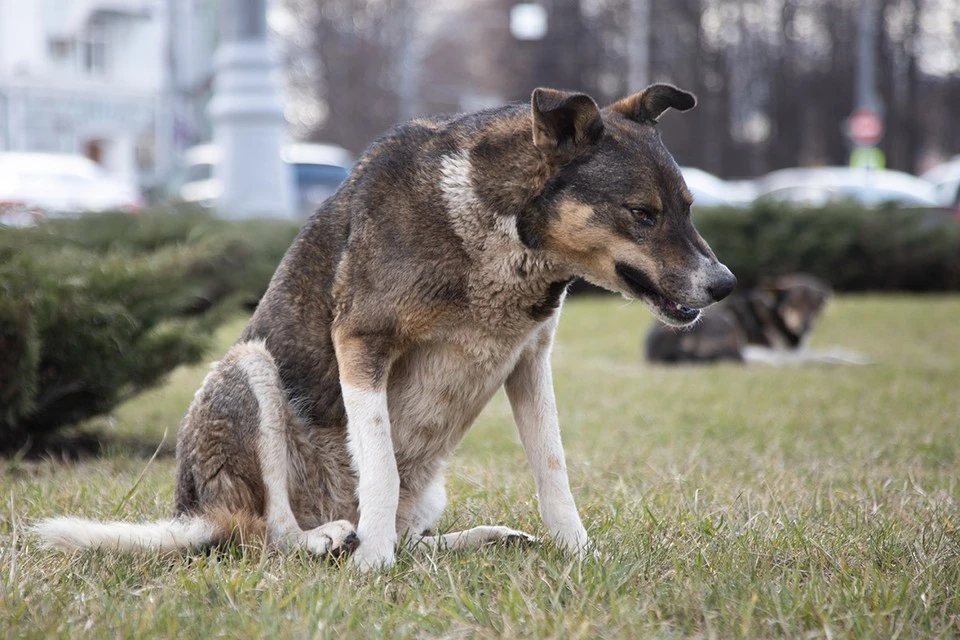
x=711 y=191
x=38 y=185
x=318 y=169
x=868 y=187
x=946 y=182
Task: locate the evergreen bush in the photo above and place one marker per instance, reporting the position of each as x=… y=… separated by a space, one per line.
x=96 y=309
x=854 y=249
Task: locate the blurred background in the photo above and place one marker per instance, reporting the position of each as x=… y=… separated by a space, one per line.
x=825 y=142
x=131 y=85
x=157 y=158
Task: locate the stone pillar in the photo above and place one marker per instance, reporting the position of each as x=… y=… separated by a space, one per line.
x=120 y=158
x=248 y=123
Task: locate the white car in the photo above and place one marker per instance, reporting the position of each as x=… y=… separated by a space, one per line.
x=946 y=181
x=710 y=191
x=38 y=185
x=869 y=187
x=318 y=169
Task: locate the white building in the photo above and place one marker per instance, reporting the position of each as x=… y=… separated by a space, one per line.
x=106 y=78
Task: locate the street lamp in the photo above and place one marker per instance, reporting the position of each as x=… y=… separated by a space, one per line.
x=528 y=21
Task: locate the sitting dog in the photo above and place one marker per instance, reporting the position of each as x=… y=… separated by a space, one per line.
x=433 y=277
x=770 y=323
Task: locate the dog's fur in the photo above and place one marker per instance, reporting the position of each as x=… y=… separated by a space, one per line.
x=433 y=277
x=770 y=323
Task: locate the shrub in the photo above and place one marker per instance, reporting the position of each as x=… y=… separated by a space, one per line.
x=853 y=248
x=97 y=309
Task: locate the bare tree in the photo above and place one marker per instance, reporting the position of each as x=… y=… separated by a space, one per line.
x=775 y=77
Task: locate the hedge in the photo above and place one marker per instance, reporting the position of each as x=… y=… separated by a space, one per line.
x=94 y=310
x=853 y=248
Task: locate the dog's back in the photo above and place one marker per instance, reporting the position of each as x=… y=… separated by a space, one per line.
x=715 y=337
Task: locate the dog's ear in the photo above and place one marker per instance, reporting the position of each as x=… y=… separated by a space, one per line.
x=564 y=124
x=649 y=104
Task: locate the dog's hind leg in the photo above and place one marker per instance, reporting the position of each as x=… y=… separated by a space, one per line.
x=428 y=508
x=275 y=418
x=472 y=538
x=416 y=517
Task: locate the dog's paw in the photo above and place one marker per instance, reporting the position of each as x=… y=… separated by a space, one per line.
x=511 y=537
x=368 y=558
x=578 y=545
x=331 y=539
x=588 y=552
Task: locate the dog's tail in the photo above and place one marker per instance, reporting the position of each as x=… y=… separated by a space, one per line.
x=184 y=533
x=69 y=534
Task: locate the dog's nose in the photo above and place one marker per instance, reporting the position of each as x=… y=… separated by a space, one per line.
x=722 y=286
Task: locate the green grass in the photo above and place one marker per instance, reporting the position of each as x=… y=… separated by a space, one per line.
x=726 y=501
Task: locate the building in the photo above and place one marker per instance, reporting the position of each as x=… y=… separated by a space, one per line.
x=123 y=82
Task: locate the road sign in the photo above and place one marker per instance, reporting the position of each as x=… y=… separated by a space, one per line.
x=865 y=127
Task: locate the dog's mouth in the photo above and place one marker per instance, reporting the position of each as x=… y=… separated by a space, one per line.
x=666 y=309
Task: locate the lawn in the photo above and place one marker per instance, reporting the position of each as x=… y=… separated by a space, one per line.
x=726 y=501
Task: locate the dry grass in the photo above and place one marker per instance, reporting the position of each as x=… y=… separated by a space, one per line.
x=727 y=501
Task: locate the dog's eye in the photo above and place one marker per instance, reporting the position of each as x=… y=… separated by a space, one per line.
x=644 y=216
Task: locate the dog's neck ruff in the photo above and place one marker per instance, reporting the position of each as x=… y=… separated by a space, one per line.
x=473 y=222
x=502 y=263
x=486 y=234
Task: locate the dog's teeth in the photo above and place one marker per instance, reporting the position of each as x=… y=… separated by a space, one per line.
x=679 y=307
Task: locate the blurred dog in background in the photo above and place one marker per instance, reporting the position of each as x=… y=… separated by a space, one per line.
x=771 y=324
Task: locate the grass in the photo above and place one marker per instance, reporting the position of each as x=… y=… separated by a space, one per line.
x=727 y=502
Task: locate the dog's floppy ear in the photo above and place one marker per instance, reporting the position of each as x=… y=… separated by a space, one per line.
x=647 y=105
x=564 y=123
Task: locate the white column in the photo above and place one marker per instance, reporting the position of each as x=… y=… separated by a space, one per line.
x=248 y=122
x=120 y=158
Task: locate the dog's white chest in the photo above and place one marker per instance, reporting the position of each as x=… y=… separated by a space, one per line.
x=437 y=390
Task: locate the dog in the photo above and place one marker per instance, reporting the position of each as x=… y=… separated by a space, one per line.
x=430 y=279
x=771 y=324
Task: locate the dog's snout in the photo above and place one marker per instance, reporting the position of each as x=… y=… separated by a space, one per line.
x=723 y=285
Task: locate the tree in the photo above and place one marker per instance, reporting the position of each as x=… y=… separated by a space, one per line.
x=775 y=78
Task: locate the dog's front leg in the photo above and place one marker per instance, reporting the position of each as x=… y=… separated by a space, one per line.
x=363 y=381
x=530 y=390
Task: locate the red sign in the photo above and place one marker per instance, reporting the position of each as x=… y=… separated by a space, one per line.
x=865 y=127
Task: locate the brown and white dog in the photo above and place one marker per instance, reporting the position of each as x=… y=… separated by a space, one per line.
x=433 y=277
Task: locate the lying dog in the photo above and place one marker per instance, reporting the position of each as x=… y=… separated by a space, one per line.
x=433 y=277
x=770 y=324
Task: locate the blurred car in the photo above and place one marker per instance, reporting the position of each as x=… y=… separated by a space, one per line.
x=816 y=187
x=742 y=193
x=318 y=169
x=946 y=182
x=38 y=185
x=711 y=191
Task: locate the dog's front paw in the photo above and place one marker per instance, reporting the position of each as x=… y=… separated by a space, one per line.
x=578 y=544
x=588 y=552
x=369 y=558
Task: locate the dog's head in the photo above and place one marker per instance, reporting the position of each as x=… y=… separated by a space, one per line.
x=798 y=300
x=616 y=208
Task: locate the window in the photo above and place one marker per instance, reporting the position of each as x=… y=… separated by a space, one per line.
x=60 y=49
x=311 y=175
x=94 y=50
